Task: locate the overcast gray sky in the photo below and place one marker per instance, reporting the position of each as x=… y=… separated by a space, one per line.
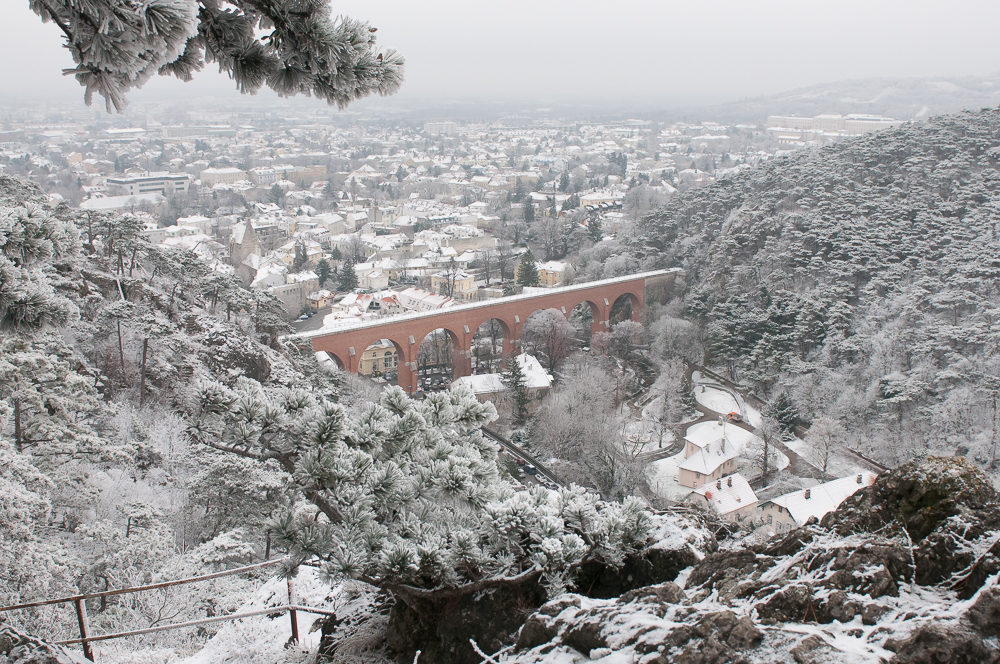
x=652 y=52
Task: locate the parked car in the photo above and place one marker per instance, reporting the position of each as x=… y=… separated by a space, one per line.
x=735 y=417
x=530 y=469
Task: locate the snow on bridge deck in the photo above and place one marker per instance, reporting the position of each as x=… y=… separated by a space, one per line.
x=352 y=325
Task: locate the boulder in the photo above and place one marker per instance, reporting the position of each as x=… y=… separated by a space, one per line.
x=936 y=504
x=441 y=630
x=648 y=567
x=16 y=647
x=939 y=644
x=985 y=613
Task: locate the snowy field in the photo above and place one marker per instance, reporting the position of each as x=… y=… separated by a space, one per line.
x=715 y=399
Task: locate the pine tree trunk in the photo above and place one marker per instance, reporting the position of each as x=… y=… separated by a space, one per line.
x=18 y=433
x=121 y=348
x=142 y=374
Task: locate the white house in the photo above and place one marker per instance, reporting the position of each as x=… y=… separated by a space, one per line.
x=793 y=509
x=708 y=463
x=487 y=387
x=731 y=497
x=371 y=278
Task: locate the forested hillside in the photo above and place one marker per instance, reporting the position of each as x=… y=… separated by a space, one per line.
x=861 y=279
x=105 y=339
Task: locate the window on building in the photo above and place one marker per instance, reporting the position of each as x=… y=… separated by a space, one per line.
x=769 y=519
x=697 y=476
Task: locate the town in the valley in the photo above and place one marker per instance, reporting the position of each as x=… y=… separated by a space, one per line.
x=348 y=221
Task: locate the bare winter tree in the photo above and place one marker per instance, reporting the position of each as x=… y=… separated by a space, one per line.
x=488 y=264
x=291 y=46
x=762 y=451
x=825 y=437
x=669 y=411
x=355 y=248
x=550 y=333
x=506 y=260
x=579 y=424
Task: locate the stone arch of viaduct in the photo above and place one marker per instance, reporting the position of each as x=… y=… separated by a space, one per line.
x=407 y=331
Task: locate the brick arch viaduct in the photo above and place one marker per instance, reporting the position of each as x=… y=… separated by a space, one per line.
x=406 y=332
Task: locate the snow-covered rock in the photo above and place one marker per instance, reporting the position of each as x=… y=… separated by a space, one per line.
x=874 y=583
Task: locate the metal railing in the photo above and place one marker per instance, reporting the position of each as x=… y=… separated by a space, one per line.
x=79 y=601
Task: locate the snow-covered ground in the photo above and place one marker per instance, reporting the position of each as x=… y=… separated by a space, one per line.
x=261 y=639
x=839 y=465
x=663 y=478
x=752 y=415
x=715 y=399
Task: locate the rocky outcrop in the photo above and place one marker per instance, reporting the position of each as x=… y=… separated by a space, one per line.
x=16 y=647
x=441 y=630
x=905 y=571
x=945 y=507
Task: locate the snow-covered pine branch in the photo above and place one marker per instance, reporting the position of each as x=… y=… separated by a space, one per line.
x=291 y=46
x=408 y=495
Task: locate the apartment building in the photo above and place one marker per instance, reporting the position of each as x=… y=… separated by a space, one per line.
x=213 y=176
x=156 y=182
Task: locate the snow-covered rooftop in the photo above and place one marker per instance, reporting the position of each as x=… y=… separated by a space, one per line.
x=818 y=500
x=728 y=494
x=710 y=457
x=535 y=377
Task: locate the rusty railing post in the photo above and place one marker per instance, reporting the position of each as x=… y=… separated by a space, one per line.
x=291 y=612
x=81 y=618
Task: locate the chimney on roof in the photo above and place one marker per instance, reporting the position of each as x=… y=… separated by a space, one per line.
x=718 y=485
x=808 y=493
x=729 y=481
x=859 y=478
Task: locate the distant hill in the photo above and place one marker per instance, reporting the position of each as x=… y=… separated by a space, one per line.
x=863 y=278
x=901 y=98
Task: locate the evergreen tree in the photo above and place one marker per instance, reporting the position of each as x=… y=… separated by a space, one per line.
x=781 y=410
x=348 y=276
x=564 y=181
x=513 y=378
x=687 y=396
x=527 y=270
x=276 y=195
x=324 y=271
x=529 y=210
x=594 y=230
x=300 y=257
x=407 y=495
x=291 y=46
x=519 y=192
x=29 y=239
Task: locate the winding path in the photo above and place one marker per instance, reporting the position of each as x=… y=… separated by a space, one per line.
x=797 y=465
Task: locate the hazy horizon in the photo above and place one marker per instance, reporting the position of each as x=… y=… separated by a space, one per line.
x=628 y=54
